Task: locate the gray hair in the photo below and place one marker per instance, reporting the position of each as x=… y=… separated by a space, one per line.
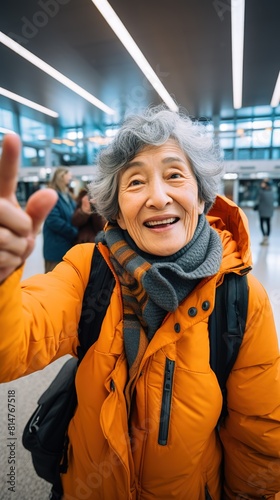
x=154 y=127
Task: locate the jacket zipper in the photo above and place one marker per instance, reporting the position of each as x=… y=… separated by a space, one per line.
x=166 y=402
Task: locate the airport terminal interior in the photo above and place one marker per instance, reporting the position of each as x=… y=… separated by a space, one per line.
x=70 y=76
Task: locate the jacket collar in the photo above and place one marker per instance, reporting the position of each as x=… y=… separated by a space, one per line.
x=231 y=223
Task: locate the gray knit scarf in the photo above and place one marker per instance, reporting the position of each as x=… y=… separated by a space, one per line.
x=152 y=285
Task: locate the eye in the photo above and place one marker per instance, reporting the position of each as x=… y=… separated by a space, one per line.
x=135 y=182
x=175 y=176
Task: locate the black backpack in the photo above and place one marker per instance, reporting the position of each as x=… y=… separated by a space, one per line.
x=45 y=434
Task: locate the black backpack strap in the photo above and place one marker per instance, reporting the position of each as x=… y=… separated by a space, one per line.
x=226 y=326
x=95 y=302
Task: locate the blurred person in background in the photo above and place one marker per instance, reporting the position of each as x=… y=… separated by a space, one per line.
x=265 y=207
x=86 y=219
x=59 y=234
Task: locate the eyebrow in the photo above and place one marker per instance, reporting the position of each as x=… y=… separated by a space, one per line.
x=169 y=159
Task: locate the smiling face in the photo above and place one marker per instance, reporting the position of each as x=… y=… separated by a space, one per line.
x=158 y=199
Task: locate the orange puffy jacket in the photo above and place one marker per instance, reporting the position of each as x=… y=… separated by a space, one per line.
x=111 y=458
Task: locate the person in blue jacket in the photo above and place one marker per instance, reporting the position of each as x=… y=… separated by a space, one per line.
x=59 y=234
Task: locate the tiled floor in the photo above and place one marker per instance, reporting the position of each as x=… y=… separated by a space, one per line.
x=266 y=260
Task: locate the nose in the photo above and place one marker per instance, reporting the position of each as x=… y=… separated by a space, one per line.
x=158 y=196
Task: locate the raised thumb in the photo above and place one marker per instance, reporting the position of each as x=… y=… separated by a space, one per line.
x=39 y=205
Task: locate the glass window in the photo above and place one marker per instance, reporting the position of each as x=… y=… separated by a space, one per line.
x=262 y=110
x=29 y=152
x=276 y=138
x=243 y=124
x=226 y=143
x=243 y=154
x=226 y=126
x=228 y=154
x=243 y=140
x=260 y=154
x=275 y=154
x=245 y=112
x=6 y=119
x=226 y=114
x=261 y=138
x=262 y=124
x=29 y=156
x=33 y=131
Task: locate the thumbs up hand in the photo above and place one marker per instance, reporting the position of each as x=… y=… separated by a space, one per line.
x=18 y=229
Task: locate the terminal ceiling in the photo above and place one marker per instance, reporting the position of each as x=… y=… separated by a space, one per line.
x=187 y=43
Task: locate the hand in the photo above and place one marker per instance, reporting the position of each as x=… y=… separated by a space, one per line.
x=18 y=229
x=85 y=205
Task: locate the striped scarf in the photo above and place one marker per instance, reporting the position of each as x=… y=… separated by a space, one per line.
x=152 y=285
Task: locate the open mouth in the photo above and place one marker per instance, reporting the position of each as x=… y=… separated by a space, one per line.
x=161 y=223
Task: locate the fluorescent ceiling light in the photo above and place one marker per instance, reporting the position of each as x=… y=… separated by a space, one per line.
x=28 y=103
x=117 y=26
x=276 y=94
x=237 y=47
x=4 y=130
x=16 y=47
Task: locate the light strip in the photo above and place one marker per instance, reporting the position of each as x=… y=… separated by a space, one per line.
x=39 y=63
x=276 y=94
x=237 y=47
x=117 y=26
x=28 y=103
x=4 y=130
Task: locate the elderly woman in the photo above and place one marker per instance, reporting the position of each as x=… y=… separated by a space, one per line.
x=156 y=182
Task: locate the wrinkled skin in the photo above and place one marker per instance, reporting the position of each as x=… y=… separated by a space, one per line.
x=158 y=199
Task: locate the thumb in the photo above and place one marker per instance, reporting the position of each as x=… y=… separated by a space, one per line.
x=39 y=205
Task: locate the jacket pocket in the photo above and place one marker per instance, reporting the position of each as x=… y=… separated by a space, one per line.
x=166 y=402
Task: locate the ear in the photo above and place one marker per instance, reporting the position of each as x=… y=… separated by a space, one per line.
x=120 y=221
x=201 y=205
